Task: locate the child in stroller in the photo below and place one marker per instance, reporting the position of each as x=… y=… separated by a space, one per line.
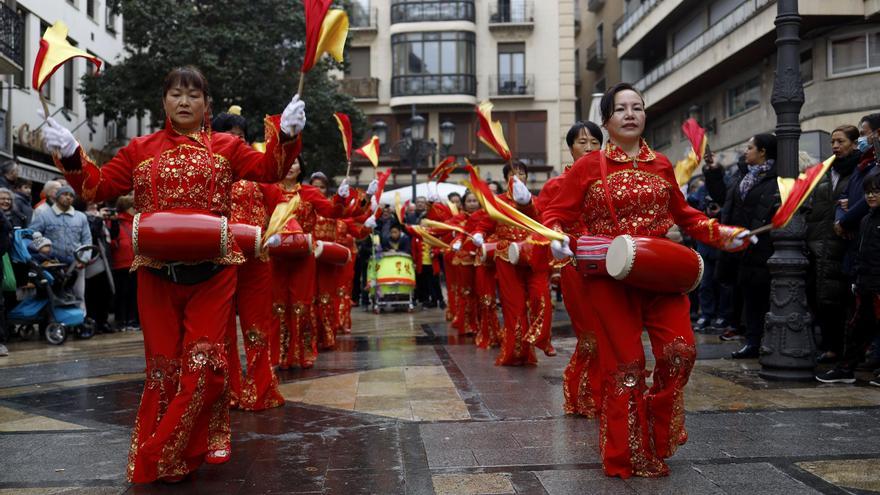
x=50 y=303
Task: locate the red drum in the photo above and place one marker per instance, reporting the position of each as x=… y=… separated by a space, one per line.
x=590 y=254
x=487 y=253
x=249 y=239
x=180 y=235
x=332 y=253
x=293 y=246
x=527 y=253
x=654 y=264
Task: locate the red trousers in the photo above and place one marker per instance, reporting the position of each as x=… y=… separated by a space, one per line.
x=451 y=274
x=346 y=279
x=184 y=410
x=293 y=296
x=581 y=380
x=639 y=427
x=513 y=287
x=253 y=299
x=465 y=315
x=328 y=304
x=488 y=326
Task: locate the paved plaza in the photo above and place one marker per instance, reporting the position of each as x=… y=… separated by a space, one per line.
x=404 y=407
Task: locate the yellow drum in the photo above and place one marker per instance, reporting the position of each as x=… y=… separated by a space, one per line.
x=396 y=269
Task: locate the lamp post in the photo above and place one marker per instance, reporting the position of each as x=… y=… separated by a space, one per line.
x=787 y=349
x=413 y=148
x=447 y=136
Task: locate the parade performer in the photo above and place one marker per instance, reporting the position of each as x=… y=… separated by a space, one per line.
x=465 y=319
x=349 y=231
x=251 y=204
x=184 y=308
x=524 y=289
x=444 y=212
x=580 y=380
x=627 y=188
x=295 y=279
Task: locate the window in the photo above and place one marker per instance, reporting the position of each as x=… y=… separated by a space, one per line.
x=47 y=86
x=465 y=129
x=661 y=136
x=855 y=53
x=68 y=84
x=511 y=67
x=600 y=40
x=511 y=11
x=743 y=97
x=807 y=65
x=433 y=63
x=530 y=140
x=358 y=62
x=110 y=24
x=688 y=32
x=719 y=9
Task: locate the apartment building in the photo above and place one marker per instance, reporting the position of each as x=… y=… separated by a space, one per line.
x=715 y=60
x=595 y=51
x=439 y=58
x=94 y=28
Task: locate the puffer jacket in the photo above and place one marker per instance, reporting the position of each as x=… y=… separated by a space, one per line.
x=867 y=262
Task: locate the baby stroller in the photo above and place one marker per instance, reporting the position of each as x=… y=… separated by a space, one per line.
x=51 y=306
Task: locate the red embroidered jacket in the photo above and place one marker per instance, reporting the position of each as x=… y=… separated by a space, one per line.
x=505 y=234
x=312 y=204
x=644 y=194
x=253 y=202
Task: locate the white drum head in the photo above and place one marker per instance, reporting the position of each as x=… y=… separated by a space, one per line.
x=319 y=248
x=483 y=254
x=621 y=255
x=513 y=253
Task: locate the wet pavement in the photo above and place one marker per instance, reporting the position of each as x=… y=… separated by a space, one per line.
x=403 y=407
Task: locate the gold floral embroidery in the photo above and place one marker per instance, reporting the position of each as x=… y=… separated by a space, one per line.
x=678 y=360
x=641 y=200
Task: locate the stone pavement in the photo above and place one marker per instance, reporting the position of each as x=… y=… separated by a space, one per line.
x=403 y=407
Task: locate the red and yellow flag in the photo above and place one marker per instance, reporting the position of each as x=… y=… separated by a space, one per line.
x=344 y=124
x=490 y=132
x=429 y=239
x=54 y=51
x=326 y=31
x=400 y=209
x=684 y=169
x=370 y=151
x=793 y=192
x=443 y=169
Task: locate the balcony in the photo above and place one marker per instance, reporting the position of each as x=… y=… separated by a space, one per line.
x=361 y=88
x=625 y=24
x=512 y=14
x=433 y=11
x=363 y=20
x=11 y=40
x=703 y=42
x=434 y=84
x=595 y=57
x=595 y=5
x=512 y=86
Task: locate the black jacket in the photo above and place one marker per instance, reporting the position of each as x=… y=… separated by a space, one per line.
x=867 y=262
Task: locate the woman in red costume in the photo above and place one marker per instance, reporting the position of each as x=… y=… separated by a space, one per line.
x=639 y=427
x=295 y=279
x=580 y=382
x=524 y=290
x=251 y=204
x=349 y=231
x=465 y=318
x=185 y=309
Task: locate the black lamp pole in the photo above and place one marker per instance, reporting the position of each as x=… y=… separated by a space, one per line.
x=788 y=349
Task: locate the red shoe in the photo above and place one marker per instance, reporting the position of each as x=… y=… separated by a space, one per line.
x=549 y=351
x=218 y=456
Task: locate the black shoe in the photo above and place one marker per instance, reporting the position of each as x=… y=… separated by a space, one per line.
x=837 y=375
x=748 y=351
x=730 y=335
x=701 y=324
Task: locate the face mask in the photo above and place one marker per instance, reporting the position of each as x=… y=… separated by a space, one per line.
x=862 y=143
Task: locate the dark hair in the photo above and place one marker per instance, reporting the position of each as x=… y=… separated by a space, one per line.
x=187 y=76
x=515 y=165
x=850 y=131
x=395 y=225
x=466 y=194
x=7 y=166
x=606 y=104
x=123 y=203
x=766 y=142
x=873 y=120
x=871 y=183
x=575 y=131
x=452 y=195
x=21 y=181
x=225 y=121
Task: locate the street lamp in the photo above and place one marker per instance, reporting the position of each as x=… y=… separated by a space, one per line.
x=380 y=130
x=787 y=349
x=412 y=148
x=447 y=136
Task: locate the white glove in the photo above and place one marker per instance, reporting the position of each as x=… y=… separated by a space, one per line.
x=739 y=240
x=433 y=196
x=374 y=204
x=456 y=245
x=293 y=118
x=561 y=250
x=478 y=239
x=274 y=241
x=343 y=189
x=854 y=289
x=58 y=138
x=373 y=187
x=370 y=223
x=521 y=193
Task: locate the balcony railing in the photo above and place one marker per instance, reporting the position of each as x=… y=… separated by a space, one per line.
x=703 y=42
x=595 y=5
x=595 y=57
x=11 y=40
x=364 y=20
x=514 y=85
x=360 y=88
x=434 y=84
x=628 y=22
x=506 y=12
x=433 y=10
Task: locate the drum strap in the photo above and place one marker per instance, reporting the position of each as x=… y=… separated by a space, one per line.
x=603 y=168
x=154 y=170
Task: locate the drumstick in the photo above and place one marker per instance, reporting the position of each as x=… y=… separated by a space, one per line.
x=761 y=230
